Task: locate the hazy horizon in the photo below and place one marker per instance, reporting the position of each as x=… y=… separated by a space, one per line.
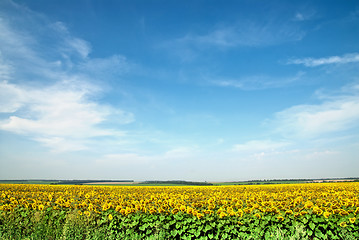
x=192 y=90
x=184 y=180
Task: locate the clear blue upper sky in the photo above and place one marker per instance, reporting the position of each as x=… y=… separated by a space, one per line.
x=192 y=90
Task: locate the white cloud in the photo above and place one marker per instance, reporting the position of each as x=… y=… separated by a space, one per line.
x=57 y=114
x=334 y=114
x=46 y=92
x=10 y=98
x=314 y=62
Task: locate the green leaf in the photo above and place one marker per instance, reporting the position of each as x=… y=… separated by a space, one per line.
x=207 y=228
x=178 y=217
x=324 y=226
x=319 y=234
x=178 y=225
x=312 y=225
x=174 y=233
x=191 y=231
x=187 y=237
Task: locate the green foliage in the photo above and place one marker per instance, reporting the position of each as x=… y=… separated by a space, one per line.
x=23 y=223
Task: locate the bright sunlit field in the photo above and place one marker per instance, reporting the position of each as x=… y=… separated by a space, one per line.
x=283 y=211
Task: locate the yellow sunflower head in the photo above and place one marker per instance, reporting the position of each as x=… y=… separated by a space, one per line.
x=343 y=224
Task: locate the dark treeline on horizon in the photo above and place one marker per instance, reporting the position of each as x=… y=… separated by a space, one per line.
x=179 y=182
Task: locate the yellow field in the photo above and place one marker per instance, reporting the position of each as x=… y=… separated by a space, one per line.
x=337 y=199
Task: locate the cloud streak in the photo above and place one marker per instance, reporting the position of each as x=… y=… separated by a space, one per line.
x=257 y=82
x=314 y=62
x=245 y=34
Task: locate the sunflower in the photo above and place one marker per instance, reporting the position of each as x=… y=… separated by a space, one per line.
x=326 y=214
x=257 y=215
x=222 y=214
x=175 y=210
x=240 y=213
x=87 y=213
x=343 y=224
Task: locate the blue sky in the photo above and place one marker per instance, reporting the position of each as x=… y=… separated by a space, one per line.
x=191 y=90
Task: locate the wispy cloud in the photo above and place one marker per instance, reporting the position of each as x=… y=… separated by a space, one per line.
x=99 y=67
x=71 y=44
x=257 y=82
x=5 y=69
x=243 y=33
x=314 y=62
x=246 y=34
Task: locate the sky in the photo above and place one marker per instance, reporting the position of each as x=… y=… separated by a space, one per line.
x=179 y=90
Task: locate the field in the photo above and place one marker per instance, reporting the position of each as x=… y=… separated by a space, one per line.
x=280 y=211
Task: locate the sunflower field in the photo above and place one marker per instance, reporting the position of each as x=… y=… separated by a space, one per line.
x=282 y=211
